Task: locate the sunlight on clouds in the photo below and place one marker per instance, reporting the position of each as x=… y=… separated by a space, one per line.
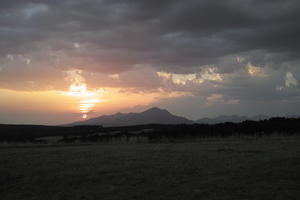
x=81 y=90
x=211 y=74
x=179 y=79
x=208 y=74
x=290 y=80
x=164 y=75
x=87 y=98
x=183 y=78
x=255 y=70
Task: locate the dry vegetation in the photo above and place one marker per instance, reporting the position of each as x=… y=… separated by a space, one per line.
x=264 y=168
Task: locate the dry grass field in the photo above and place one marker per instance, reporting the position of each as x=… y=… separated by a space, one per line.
x=264 y=168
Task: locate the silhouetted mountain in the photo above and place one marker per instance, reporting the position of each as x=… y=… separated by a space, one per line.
x=230 y=118
x=150 y=116
x=161 y=116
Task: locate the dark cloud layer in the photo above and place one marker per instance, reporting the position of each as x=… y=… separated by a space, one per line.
x=170 y=35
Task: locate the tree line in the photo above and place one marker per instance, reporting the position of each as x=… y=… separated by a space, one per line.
x=150 y=132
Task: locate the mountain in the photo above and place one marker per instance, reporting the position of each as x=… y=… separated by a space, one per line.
x=151 y=116
x=230 y=118
x=161 y=116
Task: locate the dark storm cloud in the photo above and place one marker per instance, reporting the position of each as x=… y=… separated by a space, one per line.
x=170 y=35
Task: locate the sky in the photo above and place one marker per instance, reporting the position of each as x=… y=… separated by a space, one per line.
x=69 y=60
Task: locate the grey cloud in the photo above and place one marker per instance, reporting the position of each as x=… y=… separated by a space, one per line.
x=137 y=31
x=124 y=36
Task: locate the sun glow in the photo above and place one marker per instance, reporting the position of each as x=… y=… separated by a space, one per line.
x=87 y=98
x=86 y=101
x=81 y=90
x=84 y=116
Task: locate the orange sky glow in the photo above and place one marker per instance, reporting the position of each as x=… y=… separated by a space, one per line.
x=79 y=102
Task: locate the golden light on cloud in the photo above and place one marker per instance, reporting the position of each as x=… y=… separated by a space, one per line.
x=183 y=78
x=179 y=79
x=207 y=74
x=211 y=74
x=255 y=70
x=164 y=75
x=87 y=98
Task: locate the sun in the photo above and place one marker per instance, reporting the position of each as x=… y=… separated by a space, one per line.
x=87 y=98
x=84 y=116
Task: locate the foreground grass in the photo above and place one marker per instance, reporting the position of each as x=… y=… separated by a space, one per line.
x=266 y=168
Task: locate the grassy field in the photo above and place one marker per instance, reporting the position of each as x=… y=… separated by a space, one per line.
x=265 y=168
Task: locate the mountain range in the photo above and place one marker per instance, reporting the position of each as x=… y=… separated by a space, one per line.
x=160 y=116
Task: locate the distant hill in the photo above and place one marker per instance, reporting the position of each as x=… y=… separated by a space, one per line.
x=151 y=116
x=161 y=116
x=230 y=118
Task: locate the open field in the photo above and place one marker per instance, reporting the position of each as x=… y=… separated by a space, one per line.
x=264 y=168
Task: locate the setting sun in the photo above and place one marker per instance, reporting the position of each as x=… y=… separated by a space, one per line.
x=84 y=116
x=86 y=98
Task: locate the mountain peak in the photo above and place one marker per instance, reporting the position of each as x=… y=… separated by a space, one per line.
x=155 y=110
x=153 y=115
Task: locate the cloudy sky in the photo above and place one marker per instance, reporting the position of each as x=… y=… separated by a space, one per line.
x=66 y=60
